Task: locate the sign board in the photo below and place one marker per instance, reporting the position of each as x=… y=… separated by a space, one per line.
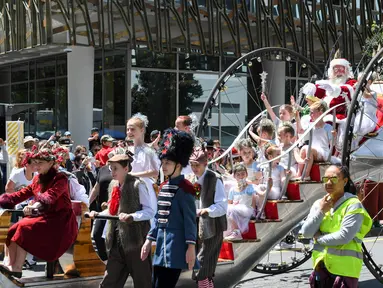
x=14 y=136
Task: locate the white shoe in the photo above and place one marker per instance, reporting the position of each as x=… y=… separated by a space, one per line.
x=234 y=236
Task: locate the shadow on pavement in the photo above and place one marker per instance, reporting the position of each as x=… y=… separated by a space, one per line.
x=372 y=283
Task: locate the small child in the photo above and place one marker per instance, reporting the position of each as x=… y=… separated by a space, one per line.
x=278 y=174
x=286 y=135
x=241 y=204
x=322 y=137
x=212 y=207
x=130 y=200
x=247 y=153
x=286 y=112
x=306 y=109
x=175 y=229
x=266 y=132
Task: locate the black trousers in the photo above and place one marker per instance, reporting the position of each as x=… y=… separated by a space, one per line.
x=165 y=277
x=99 y=242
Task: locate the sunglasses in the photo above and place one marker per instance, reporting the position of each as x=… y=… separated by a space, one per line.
x=334 y=180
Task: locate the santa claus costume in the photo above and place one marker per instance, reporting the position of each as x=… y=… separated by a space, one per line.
x=338 y=89
x=53 y=229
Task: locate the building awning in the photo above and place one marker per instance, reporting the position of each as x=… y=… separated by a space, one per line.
x=32 y=53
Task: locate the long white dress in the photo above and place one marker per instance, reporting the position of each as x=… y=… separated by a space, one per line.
x=366 y=123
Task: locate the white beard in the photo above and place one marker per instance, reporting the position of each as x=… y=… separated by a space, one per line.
x=338 y=80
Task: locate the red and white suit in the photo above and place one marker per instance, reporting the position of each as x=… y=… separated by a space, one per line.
x=332 y=94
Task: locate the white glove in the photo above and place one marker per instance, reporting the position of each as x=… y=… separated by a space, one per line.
x=309 y=89
x=323 y=84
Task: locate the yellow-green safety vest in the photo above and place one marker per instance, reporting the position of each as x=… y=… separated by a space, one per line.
x=343 y=260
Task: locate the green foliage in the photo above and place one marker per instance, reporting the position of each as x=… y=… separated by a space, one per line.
x=375 y=41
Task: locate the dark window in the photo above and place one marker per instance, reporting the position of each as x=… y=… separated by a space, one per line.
x=62 y=104
x=5 y=94
x=115 y=103
x=147 y=59
x=46 y=68
x=114 y=59
x=20 y=72
x=62 y=65
x=45 y=119
x=32 y=70
x=98 y=60
x=5 y=75
x=19 y=93
x=97 y=101
x=198 y=62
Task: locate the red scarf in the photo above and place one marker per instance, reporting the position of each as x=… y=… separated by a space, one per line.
x=114 y=203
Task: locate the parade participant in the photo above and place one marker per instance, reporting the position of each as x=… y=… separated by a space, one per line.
x=55 y=216
x=286 y=112
x=321 y=140
x=278 y=175
x=338 y=89
x=130 y=200
x=338 y=223
x=366 y=122
x=211 y=209
x=247 y=153
x=241 y=206
x=175 y=224
x=146 y=164
x=266 y=134
x=286 y=135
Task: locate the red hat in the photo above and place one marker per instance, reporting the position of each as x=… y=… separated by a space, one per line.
x=234 y=152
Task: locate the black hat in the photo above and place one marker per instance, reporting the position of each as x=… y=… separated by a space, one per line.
x=63 y=141
x=176 y=146
x=209 y=143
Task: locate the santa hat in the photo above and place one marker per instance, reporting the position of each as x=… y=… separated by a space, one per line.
x=176 y=146
x=341 y=62
x=234 y=153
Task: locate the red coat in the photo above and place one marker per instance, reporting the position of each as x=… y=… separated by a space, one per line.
x=49 y=235
x=346 y=90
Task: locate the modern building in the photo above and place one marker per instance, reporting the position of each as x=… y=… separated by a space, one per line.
x=75 y=64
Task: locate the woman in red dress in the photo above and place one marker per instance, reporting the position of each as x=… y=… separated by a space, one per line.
x=53 y=230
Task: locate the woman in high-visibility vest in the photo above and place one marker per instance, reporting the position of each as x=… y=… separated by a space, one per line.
x=338 y=223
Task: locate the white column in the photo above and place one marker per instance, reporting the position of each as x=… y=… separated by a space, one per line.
x=80 y=93
x=276 y=82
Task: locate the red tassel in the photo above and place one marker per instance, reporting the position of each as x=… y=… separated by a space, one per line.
x=114 y=203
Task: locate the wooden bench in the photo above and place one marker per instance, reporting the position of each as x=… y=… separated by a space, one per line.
x=80 y=260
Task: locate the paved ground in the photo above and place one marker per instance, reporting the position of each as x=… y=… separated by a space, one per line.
x=299 y=276
x=295 y=278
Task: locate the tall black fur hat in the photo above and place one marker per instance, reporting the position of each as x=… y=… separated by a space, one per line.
x=176 y=146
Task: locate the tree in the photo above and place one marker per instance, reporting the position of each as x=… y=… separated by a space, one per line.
x=155 y=93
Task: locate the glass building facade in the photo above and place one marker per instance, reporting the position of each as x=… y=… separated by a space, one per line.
x=127 y=81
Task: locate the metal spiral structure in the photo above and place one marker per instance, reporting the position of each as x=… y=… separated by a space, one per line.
x=358 y=171
x=374 y=66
